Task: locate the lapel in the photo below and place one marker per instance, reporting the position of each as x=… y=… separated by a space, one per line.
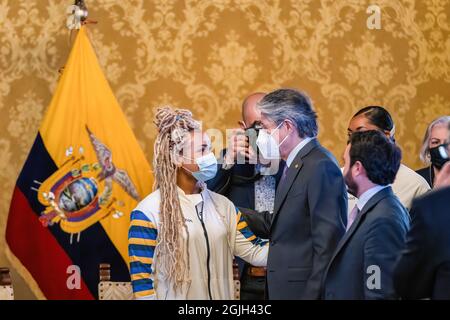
x=386 y=192
x=291 y=174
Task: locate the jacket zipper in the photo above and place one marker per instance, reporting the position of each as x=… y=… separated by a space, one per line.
x=208 y=257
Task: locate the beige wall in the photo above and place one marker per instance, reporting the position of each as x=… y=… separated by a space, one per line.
x=207 y=55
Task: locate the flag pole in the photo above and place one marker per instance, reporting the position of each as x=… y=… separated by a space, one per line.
x=78 y=17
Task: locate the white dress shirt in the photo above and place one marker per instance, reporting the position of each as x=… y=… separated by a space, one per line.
x=366 y=196
x=296 y=150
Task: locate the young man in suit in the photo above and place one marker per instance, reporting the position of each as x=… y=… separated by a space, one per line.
x=362 y=265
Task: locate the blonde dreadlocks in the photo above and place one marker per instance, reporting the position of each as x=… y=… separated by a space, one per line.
x=173 y=125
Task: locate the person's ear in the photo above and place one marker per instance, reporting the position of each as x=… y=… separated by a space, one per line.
x=177 y=160
x=289 y=125
x=242 y=125
x=357 y=168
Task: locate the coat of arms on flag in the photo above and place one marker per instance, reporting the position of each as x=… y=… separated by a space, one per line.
x=82 y=178
x=74 y=196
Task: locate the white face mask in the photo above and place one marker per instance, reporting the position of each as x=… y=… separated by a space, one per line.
x=267 y=144
x=207 y=166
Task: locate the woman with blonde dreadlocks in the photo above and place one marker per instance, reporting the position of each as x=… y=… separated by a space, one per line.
x=183 y=237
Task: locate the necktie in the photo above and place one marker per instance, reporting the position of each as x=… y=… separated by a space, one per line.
x=283 y=176
x=352 y=217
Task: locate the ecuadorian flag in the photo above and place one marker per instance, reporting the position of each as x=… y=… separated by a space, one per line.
x=84 y=175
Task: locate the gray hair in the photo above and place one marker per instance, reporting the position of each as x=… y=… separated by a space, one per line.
x=294 y=105
x=425 y=149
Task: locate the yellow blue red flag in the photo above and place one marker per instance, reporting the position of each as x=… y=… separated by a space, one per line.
x=84 y=175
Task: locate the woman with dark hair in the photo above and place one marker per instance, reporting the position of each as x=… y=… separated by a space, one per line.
x=408 y=184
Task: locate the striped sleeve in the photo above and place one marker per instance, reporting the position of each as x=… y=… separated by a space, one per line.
x=141 y=247
x=243 y=228
x=249 y=247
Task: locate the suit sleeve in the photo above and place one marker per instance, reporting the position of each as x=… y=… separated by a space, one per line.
x=384 y=242
x=327 y=200
x=258 y=222
x=249 y=247
x=414 y=274
x=141 y=247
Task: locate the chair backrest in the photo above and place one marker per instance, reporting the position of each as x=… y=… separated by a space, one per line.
x=237 y=283
x=109 y=290
x=6 y=288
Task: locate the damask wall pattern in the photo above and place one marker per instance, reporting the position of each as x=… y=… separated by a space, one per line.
x=208 y=55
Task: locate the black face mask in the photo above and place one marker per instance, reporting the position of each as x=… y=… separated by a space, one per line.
x=439 y=155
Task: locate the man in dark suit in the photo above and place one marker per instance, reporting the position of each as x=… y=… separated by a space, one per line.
x=423 y=270
x=310 y=203
x=363 y=263
x=248 y=184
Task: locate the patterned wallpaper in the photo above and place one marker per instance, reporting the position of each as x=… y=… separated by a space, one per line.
x=207 y=55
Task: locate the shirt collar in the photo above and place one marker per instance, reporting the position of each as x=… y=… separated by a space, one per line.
x=296 y=150
x=195 y=198
x=366 y=196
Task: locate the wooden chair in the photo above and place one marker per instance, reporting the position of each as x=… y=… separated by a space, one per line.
x=109 y=290
x=237 y=282
x=6 y=288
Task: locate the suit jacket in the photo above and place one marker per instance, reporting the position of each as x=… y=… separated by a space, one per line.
x=308 y=221
x=375 y=238
x=423 y=270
